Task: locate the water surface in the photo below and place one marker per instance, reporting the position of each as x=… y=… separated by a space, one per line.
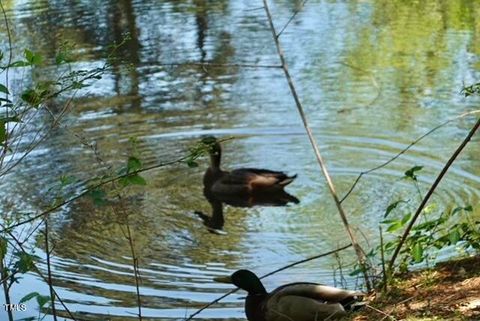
x=372 y=75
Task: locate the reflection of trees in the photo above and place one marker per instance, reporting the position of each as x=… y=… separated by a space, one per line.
x=408 y=42
x=123 y=22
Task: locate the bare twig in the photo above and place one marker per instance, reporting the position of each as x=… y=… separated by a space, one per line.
x=35 y=142
x=214 y=65
x=430 y=192
x=291 y=18
x=406 y=149
x=358 y=250
x=94 y=187
x=10 y=55
x=37 y=270
x=135 y=270
x=382 y=257
x=49 y=272
x=6 y=291
x=381 y=312
x=88 y=190
x=268 y=274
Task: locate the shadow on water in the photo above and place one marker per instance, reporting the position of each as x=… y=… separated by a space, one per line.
x=216 y=221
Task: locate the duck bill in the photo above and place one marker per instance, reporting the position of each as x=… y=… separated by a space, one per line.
x=223 y=279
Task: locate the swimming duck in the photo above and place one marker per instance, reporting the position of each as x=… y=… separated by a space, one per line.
x=300 y=301
x=243 y=181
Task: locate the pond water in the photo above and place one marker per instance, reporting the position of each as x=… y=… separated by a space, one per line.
x=372 y=75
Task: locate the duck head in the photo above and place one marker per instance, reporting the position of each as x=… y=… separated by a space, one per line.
x=214 y=149
x=245 y=280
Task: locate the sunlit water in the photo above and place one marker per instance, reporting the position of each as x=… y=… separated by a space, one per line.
x=372 y=75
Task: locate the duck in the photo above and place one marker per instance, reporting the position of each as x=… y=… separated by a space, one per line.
x=301 y=301
x=219 y=184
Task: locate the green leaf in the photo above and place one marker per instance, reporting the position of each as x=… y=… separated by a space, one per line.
x=191 y=163
x=31 y=97
x=395 y=226
x=25 y=262
x=4 y=89
x=406 y=218
x=133 y=164
x=430 y=208
x=456 y=210
x=42 y=300
x=78 y=85
x=411 y=172
x=29 y=296
x=67 y=179
x=32 y=58
x=98 y=196
x=454 y=236
x=417 y=252
x=19 y=64
x=63 y=57
x=391 y=207
x=133 y=180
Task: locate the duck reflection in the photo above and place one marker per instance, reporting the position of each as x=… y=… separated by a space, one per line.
x=216 y=221
x=244 y=187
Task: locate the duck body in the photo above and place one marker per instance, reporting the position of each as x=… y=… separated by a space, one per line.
x=244 y=181
x=300 y=301
x=239 y=182
x=304 y=302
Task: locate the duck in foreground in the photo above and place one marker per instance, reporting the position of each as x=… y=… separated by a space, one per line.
x=300 y=301
x=243 y=181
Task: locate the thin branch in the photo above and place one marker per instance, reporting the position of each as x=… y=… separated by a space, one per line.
x=49 y=272
x=214 y=65
x=430 y=192
x=358 y=250
x=268 y=274
x=380 y=311
x=405 y=150
x=291 y=18
x=37 y=270
x=135 y=270
x=10 y=55
x=94 y=187
x=88 y=190
x=5 y=276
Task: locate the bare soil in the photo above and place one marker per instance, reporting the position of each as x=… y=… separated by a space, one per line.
x=448 y=292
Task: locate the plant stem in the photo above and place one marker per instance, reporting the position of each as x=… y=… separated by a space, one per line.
x=49 y=271
x=135 y=271
x=4 y=274
x=430 y=192
x=358 y=250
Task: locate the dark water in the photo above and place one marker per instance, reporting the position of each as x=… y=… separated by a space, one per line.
x=372 y=75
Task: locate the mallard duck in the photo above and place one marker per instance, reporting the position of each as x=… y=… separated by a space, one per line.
x=243 y=181
x=293 y=302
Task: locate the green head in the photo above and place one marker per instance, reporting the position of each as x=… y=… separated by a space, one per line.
x=214 y=149
x=245 y=280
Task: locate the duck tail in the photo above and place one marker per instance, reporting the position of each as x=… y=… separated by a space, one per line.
x=287 y=180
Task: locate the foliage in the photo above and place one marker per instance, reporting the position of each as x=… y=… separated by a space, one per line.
x=471 y=90
x=448 y=229
x=16 y=111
